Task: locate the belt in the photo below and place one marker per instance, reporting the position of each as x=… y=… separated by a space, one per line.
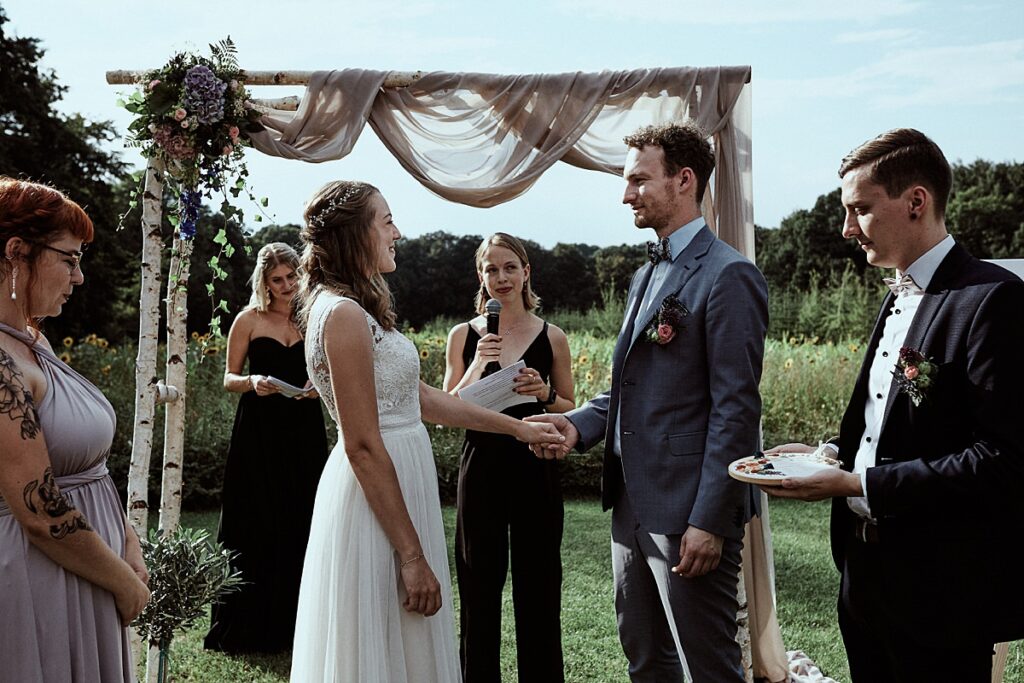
x=866 y=531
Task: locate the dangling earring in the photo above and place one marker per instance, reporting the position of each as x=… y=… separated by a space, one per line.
x=14 y=283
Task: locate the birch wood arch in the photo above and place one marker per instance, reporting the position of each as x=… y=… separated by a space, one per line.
x=477 y=139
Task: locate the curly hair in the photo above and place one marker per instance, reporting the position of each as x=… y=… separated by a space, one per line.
x=685 y=144
x=900 y=158
x=340 y=253
x=37 y=214
x=513 y=244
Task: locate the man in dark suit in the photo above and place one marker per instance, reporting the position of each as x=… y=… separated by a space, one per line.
x=926 y=521
x=683 y=404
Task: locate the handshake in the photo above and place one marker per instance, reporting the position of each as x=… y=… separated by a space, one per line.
x=556 y=450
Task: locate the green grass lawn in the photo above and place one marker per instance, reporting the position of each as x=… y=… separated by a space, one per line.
x=806 y=585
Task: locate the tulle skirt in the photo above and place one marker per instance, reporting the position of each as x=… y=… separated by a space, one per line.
x=351 y=626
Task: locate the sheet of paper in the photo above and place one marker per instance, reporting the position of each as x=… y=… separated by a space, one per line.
x=497 y=391
x=288 y=390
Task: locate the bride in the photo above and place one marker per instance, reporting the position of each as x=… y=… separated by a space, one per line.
x=374 y=603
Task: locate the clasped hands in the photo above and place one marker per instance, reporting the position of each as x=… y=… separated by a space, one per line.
x=830 y=483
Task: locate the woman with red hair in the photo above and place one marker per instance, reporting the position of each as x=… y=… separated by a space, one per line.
x=71 y=570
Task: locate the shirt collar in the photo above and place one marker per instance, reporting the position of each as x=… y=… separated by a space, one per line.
x=923 y=269
x=681 y=237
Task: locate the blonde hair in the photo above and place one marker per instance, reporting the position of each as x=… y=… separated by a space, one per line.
x=340 y=252
x=513 y=244
x=270 y=256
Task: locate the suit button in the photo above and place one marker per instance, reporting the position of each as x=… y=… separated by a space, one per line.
x=627 y=433
x=626 y=383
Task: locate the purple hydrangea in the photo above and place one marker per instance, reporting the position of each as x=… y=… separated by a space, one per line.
x=204 y=94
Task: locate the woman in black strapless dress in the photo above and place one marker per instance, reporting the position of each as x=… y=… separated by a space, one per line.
x=278 y=449
x=509 y=501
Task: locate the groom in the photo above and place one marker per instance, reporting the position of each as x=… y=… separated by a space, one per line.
x=926 y=522
x=683 y=404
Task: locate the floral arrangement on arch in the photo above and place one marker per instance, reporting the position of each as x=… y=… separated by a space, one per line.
x=195 y=114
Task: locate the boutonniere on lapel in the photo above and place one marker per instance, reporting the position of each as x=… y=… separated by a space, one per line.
x=914 y=374
x=667 y=321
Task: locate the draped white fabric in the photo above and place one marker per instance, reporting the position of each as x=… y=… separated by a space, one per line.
x=483 y=139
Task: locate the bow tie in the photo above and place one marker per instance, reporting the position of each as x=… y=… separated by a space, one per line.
x=901 y=285
x=659 y=251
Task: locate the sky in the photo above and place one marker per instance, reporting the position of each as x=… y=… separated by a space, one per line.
x=826 y=76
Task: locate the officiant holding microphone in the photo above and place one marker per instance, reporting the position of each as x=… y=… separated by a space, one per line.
x=509 y=502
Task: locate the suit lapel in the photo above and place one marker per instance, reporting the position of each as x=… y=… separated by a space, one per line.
x=636 y=297
x=934 y=297
x=683 y=268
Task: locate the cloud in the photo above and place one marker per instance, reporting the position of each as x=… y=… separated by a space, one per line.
x=945 y=76
x=889 y=35
x=750 y=12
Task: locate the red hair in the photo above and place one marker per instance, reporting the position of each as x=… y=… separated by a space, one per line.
x=38 y=214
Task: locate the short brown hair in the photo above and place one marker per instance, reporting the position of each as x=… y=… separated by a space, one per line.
x=900 y=158
x=685 y=144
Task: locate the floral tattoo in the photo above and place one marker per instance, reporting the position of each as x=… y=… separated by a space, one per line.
x=55 y=505
x=15 y=398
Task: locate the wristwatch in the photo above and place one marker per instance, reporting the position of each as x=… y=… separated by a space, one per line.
x=552 y=397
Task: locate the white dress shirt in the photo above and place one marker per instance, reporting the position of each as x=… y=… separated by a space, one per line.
x=894 y=334
x=678 y=241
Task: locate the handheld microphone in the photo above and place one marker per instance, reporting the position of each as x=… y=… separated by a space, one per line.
x=493 y=310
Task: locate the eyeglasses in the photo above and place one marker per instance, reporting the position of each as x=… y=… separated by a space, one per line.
x=75 y=256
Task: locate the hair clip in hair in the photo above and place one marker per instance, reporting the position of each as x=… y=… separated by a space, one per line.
x=321 y=217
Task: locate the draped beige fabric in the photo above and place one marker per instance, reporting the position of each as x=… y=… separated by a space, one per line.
x=484 y=139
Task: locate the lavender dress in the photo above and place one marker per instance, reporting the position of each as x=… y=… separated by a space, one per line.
x=55 y=625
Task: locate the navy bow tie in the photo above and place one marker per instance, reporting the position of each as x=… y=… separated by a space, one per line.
x=659 y=251
x=902 y=284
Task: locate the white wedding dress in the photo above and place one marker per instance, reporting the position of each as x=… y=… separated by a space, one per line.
x=351 y=626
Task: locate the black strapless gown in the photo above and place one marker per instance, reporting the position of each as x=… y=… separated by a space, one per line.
x=278 y=449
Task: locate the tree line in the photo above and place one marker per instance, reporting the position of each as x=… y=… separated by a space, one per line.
x=437 y=275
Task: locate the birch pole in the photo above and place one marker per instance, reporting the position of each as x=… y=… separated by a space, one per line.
x=174 y=417
x=145 y=361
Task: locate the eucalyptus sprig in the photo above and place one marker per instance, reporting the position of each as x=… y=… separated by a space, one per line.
x=187 y=572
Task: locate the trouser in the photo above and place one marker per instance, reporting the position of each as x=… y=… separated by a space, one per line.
x=880 y=647
x=669 y=624
x=509 y=508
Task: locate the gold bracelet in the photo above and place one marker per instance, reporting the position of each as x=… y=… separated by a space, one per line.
x=410 y=561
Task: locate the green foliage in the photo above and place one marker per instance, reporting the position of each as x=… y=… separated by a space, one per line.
x=805 y=387
x=845 y=308
x=187 y=571
x=986 y=211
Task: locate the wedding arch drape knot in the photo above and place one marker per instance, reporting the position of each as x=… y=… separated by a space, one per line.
x=483 y=139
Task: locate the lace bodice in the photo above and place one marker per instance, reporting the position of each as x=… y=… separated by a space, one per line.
x=396 y=366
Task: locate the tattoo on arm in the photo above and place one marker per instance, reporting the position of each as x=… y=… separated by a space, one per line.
x=55 y=504
x=15 y=398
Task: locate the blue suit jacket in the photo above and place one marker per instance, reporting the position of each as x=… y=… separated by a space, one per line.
x=689 y=407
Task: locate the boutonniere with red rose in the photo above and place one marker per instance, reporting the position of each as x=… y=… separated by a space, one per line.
x=667 y=321
x=914 y=374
